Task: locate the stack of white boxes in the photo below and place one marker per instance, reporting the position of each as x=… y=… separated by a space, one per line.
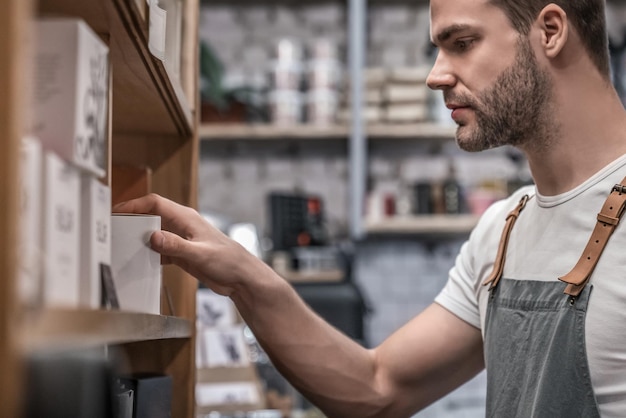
x=66 y=238
x=372 y=109
x=226 y=377
x=406 y=95
x=393 y=95
x=323 y=75
x=285 y=98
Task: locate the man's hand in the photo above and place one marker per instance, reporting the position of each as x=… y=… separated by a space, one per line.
x=189 y=241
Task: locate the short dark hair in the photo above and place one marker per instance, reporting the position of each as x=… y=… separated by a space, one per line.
x=587 y=17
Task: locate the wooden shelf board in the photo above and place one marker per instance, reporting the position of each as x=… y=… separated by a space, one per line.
x=313 y=276
x=426 y=224
x=67 y=329
x=267 y=131
x=425 y=130
x=145 y=99
x=208 y=132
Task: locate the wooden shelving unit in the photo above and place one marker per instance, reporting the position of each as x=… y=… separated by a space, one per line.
x=146 y=100
x=153 y=124
x=423 y=225
x=213 y=132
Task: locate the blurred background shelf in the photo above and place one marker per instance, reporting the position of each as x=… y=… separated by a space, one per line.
x=212 y=132
x=61 y=329
x=218 y=131
x=328 y=276
x=423 y=225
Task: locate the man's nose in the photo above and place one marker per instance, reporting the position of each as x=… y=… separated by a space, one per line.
x=441 y=76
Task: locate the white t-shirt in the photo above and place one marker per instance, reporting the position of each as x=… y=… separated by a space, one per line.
x=546 y=242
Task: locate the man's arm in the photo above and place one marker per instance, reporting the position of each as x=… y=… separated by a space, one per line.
x=424 y=360
x=427 y=358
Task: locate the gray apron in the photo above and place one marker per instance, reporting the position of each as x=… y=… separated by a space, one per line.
x=535 y=351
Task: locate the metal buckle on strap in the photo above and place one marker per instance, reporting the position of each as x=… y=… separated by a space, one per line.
x=619 y=188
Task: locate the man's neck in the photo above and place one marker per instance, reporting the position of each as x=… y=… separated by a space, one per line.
x=591 y=134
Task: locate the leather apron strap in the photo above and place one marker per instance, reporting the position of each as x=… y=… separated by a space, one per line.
x=498 y=266
x=607 y=220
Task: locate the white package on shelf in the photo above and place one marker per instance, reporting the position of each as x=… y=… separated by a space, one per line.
x=61 y=210
x=71 y=94
x=95 y=247
x=156 y=30
x=135 y=267
x=30 y=246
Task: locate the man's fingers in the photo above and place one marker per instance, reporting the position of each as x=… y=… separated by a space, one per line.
x=170 y=245
x=174 y=217
x=151 y=204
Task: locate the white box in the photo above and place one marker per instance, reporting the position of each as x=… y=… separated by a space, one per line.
x=95 y=236
x=173 y=37
x=405 y=113
x=402 y=93
x=71 y=94
x=227 y=393
x=30 y=246
x=222 y=347
x=61 y=236
x=135 y=267
x=214 y=310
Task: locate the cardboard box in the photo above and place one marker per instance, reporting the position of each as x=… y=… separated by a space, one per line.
x=61 y=236
x=71 y=93
x=95 y=237
x=30 y=247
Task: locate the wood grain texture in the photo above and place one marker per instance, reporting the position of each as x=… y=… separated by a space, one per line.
x=14 y=50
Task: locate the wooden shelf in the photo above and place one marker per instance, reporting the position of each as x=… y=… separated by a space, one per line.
x=423 y=225
x=211 y=132
x=208 y=132
x=145 y=99
x=313 y=276
x=152 y=124
x=58 y=329
x=425 y=130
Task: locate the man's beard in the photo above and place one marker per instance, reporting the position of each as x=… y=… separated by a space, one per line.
x=515 y=111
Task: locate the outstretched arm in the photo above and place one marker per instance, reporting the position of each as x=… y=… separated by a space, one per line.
x=424 y=360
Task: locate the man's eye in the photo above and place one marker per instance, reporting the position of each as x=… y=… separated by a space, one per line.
x=463 y=44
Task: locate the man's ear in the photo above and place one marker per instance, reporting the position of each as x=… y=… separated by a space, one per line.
x=554 y=28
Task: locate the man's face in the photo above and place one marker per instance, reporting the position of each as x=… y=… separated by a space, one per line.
x=489 y=75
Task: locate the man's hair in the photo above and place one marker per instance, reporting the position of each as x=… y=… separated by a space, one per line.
x=587 y=17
